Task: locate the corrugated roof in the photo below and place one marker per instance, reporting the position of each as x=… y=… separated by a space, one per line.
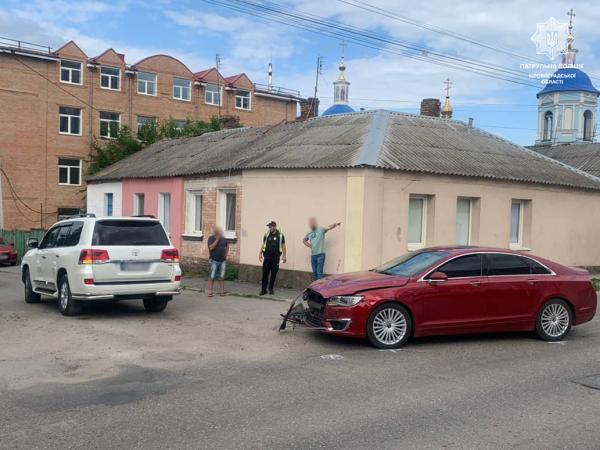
x=584 y=157
x=382 y=139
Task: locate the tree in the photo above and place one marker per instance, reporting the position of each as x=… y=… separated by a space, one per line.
x=105 y=153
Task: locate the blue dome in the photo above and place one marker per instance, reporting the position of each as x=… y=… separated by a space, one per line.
x=572 y=80
x=337 y=109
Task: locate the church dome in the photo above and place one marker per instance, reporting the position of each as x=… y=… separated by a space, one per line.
x=337 y=109
x=572 y=80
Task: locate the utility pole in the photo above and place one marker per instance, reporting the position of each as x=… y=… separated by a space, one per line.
x=319 y=72
x=218 y=67
x=270 y=82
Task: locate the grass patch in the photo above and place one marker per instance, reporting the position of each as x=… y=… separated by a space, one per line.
x=596 y=284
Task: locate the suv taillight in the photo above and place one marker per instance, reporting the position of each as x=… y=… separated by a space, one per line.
x=93 y=256
x=170 y=255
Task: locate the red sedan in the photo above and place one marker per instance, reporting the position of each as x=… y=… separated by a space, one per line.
x=8 y=255
x=450 y=290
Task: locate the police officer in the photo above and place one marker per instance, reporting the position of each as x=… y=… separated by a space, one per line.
x=271 y=252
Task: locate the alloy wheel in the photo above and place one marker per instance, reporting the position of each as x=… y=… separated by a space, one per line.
x=389 y=326
x=64 y=296
x=555 y=320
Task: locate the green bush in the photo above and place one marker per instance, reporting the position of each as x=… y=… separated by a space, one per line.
x=107 y=152
x=596 y=284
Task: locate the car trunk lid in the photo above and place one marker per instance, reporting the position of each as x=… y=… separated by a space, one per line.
x=135 y=249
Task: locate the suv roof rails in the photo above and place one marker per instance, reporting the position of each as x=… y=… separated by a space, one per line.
x=78 y=216
x=149 y=216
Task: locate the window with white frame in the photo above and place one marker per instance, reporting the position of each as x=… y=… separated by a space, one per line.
x=242 y=100
x=417 y=214
x=110 y=78
x=71 y=72
x=194 y=213
x=69 y=171
x=108 y=204
x=138 y=204
x=69 y=120
x=462 y=232
x=146 y=83
x=517 y=208
x=212 y=94
x=181 y=89
x=110 y=123
x=227 y=206
x=145 y=121
x=164 y=209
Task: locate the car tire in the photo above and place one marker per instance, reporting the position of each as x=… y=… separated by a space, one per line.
x=30 y=295
x=66 y=304
x=156 y=304
x=389 y=326
x=554 y=320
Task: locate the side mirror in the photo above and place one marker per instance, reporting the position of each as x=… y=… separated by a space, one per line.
x=32 y=243
x=437 y=277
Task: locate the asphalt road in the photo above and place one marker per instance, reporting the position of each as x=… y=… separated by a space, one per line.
x=215 y=373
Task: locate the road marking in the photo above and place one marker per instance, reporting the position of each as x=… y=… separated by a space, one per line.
x=557 y=342
x=332 y=357
x=393 y=350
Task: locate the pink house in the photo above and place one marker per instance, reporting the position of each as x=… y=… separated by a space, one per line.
x=159 y=197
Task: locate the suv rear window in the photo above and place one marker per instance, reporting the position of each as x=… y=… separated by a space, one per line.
x=129 y=232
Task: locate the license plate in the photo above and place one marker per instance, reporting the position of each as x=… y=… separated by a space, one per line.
x=3 y=257
x=134 y=266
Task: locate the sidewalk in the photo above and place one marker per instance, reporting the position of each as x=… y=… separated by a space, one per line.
x=241 y=289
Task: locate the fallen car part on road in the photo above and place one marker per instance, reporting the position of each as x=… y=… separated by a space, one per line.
x=295 y=314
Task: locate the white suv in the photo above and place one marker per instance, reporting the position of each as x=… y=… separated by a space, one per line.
x=97 y=259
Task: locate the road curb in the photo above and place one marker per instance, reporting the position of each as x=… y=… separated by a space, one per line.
x=239 y=295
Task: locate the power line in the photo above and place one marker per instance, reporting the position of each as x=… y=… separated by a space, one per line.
x=395 y=16
x=375 y=41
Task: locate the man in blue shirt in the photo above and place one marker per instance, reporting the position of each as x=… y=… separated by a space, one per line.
x=315 y=240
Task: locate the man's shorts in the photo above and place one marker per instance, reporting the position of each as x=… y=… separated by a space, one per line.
x=216 y=270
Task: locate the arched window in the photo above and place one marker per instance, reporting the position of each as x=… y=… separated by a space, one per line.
x=548 y=124
x=587 y=125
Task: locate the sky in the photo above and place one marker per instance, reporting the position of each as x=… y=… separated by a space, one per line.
x=196 y=30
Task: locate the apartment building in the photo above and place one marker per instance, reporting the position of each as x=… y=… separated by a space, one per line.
x=54 y=103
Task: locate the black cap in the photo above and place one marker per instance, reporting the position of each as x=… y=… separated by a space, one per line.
x=272 y=223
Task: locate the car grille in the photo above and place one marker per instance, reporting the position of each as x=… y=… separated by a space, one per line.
x=316 y=305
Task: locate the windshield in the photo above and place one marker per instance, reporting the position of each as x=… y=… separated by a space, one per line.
x=411 y=263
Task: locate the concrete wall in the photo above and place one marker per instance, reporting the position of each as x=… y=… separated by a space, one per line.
x=290 y=197
x=563 y=223
x=560 y=224
x=95 y=197
x=151 y=188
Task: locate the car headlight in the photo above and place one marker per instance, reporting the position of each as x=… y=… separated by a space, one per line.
x=344 y=300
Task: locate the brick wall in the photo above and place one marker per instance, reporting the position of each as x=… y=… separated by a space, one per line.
x=194 y=248
x=31 y=145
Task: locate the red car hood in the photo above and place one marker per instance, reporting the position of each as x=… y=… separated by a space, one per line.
x=352 y=283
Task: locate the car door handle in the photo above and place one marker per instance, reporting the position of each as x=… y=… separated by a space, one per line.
x=475 y=283
x=532 y=281
x=58 y=256
x=43 y=257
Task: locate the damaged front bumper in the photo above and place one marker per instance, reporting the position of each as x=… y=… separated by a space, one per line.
x=308 y=309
